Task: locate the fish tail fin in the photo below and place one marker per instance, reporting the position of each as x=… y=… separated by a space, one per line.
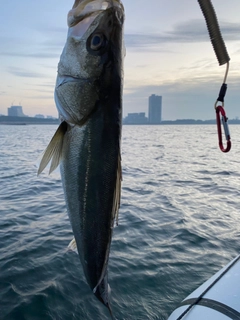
x=110 y=310
x=109 y=306
x=54 y=149
x=102 y=292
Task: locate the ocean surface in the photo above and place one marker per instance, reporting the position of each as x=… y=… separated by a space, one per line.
x=179 y=223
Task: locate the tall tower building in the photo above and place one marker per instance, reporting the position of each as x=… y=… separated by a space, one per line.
x=155 y=109
x=16 y=111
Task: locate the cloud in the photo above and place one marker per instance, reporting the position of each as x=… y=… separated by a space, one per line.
x=46 y=85
x=44 y=91
x=38 y=44
x=186 y=32
x=42 y=97
x=54 y=44
x=196 y=31
x=42 y=55
x=24 y=73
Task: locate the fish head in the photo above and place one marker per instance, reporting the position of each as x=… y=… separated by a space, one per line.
x=92 y=54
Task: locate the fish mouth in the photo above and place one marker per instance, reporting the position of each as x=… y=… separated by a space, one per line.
x=87 y=8
x=84 y=12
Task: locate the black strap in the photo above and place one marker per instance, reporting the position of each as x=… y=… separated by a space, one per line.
x=222 y=92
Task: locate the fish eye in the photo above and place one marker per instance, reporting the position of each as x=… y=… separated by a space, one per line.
x=97 y=41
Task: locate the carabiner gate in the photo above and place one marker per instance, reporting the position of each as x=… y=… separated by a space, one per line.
x=221 y=110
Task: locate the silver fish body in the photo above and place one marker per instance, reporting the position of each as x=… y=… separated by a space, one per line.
x=90 y=169
x=88 y=96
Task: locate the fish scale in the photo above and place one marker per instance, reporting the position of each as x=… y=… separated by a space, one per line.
x=94 y=177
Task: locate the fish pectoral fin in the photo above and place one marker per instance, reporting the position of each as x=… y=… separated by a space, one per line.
x=54 y=149
x=73 y=246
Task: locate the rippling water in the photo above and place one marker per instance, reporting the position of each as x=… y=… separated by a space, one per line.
x=178 y=224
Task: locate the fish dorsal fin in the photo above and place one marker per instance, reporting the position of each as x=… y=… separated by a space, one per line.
x=54 y=149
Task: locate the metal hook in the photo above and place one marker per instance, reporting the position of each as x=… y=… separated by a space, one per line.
x=221 y=110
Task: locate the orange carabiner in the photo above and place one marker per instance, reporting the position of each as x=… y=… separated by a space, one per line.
x=221 y=110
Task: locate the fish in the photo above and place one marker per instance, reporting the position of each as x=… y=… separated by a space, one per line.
x=87 y=143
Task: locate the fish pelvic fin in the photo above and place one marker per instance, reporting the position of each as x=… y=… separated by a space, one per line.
x=73 y=246
x=54 y=149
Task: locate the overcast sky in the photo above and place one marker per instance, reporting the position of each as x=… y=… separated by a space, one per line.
x=168 y=52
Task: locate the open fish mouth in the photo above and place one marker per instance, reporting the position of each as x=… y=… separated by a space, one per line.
x=87 y=8
x=84 y=12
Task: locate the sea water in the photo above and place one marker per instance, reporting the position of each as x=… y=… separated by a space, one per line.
x=178 y=225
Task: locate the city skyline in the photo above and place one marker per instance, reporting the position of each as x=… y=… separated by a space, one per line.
x=168 y=52
x=17 y=111
x=154 y=113
x=17 y=116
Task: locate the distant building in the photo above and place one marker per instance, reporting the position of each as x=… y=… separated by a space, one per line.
x=135 y=118
x=40 y=116
x=16 y=111
x=154 y=109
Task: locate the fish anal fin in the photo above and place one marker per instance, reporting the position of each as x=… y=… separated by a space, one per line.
x=54 y=149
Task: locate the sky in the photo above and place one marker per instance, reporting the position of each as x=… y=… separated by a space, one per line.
x=168 y=53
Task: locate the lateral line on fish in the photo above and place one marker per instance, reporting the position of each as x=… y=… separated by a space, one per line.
x=115 y=210
x=54 y=149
